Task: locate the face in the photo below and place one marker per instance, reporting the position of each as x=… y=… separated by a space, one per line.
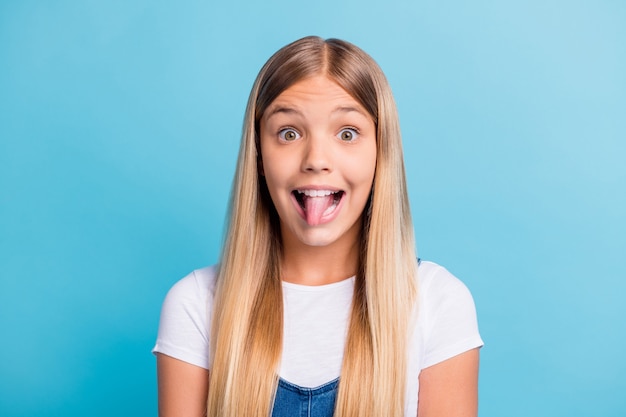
x=318 y=150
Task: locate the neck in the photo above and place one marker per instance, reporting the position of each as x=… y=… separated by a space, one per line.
x=319 y=265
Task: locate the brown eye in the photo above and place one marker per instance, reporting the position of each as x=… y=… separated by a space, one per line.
x=348 y=134
x=288 y=135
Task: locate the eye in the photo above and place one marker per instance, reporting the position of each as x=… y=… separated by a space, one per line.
x=288 y=134
x=348 y=134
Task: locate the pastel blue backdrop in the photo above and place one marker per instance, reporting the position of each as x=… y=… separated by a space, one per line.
x=119 y=127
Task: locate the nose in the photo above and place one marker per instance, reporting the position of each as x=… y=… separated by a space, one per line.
x=317 y=156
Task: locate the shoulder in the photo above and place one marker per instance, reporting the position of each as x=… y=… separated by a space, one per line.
x=200 y=283
x=184 y=327
x=437 y=282
x=446 y=314
x=191 y=297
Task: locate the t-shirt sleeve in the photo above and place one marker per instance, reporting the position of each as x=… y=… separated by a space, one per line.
x=450 y=315
x=185 y=319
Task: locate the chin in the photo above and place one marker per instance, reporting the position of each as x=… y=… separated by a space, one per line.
x=318 y=242
x=317 y=238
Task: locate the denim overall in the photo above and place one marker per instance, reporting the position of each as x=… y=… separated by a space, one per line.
x=296 y=401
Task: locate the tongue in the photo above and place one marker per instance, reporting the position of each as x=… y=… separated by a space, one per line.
x=314 y=208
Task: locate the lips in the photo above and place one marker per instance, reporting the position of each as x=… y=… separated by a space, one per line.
x=317 y=206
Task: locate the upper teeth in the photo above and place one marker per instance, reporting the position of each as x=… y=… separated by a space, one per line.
x=316 y=193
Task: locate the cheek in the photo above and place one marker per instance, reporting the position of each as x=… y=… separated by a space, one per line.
x=277 y=173
x=272 y=178
x=361 y=169
x=275 y=168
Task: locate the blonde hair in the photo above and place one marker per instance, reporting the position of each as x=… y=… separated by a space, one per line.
x=246 y=332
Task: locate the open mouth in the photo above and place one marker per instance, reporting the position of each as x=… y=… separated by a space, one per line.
x=303 y=195
x=317 y=204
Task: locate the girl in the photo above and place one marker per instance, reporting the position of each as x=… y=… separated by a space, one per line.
x=318 y=306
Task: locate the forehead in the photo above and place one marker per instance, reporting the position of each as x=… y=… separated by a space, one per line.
x=318 y=91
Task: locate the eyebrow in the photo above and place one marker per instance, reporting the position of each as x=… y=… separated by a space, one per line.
x=348 y=109
x=283 y=109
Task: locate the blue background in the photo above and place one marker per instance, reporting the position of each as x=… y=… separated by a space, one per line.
x=119 y=127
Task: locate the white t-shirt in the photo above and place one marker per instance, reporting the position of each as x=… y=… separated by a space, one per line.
x=315 y=326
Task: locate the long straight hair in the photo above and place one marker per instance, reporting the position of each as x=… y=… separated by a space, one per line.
x=247 y=320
